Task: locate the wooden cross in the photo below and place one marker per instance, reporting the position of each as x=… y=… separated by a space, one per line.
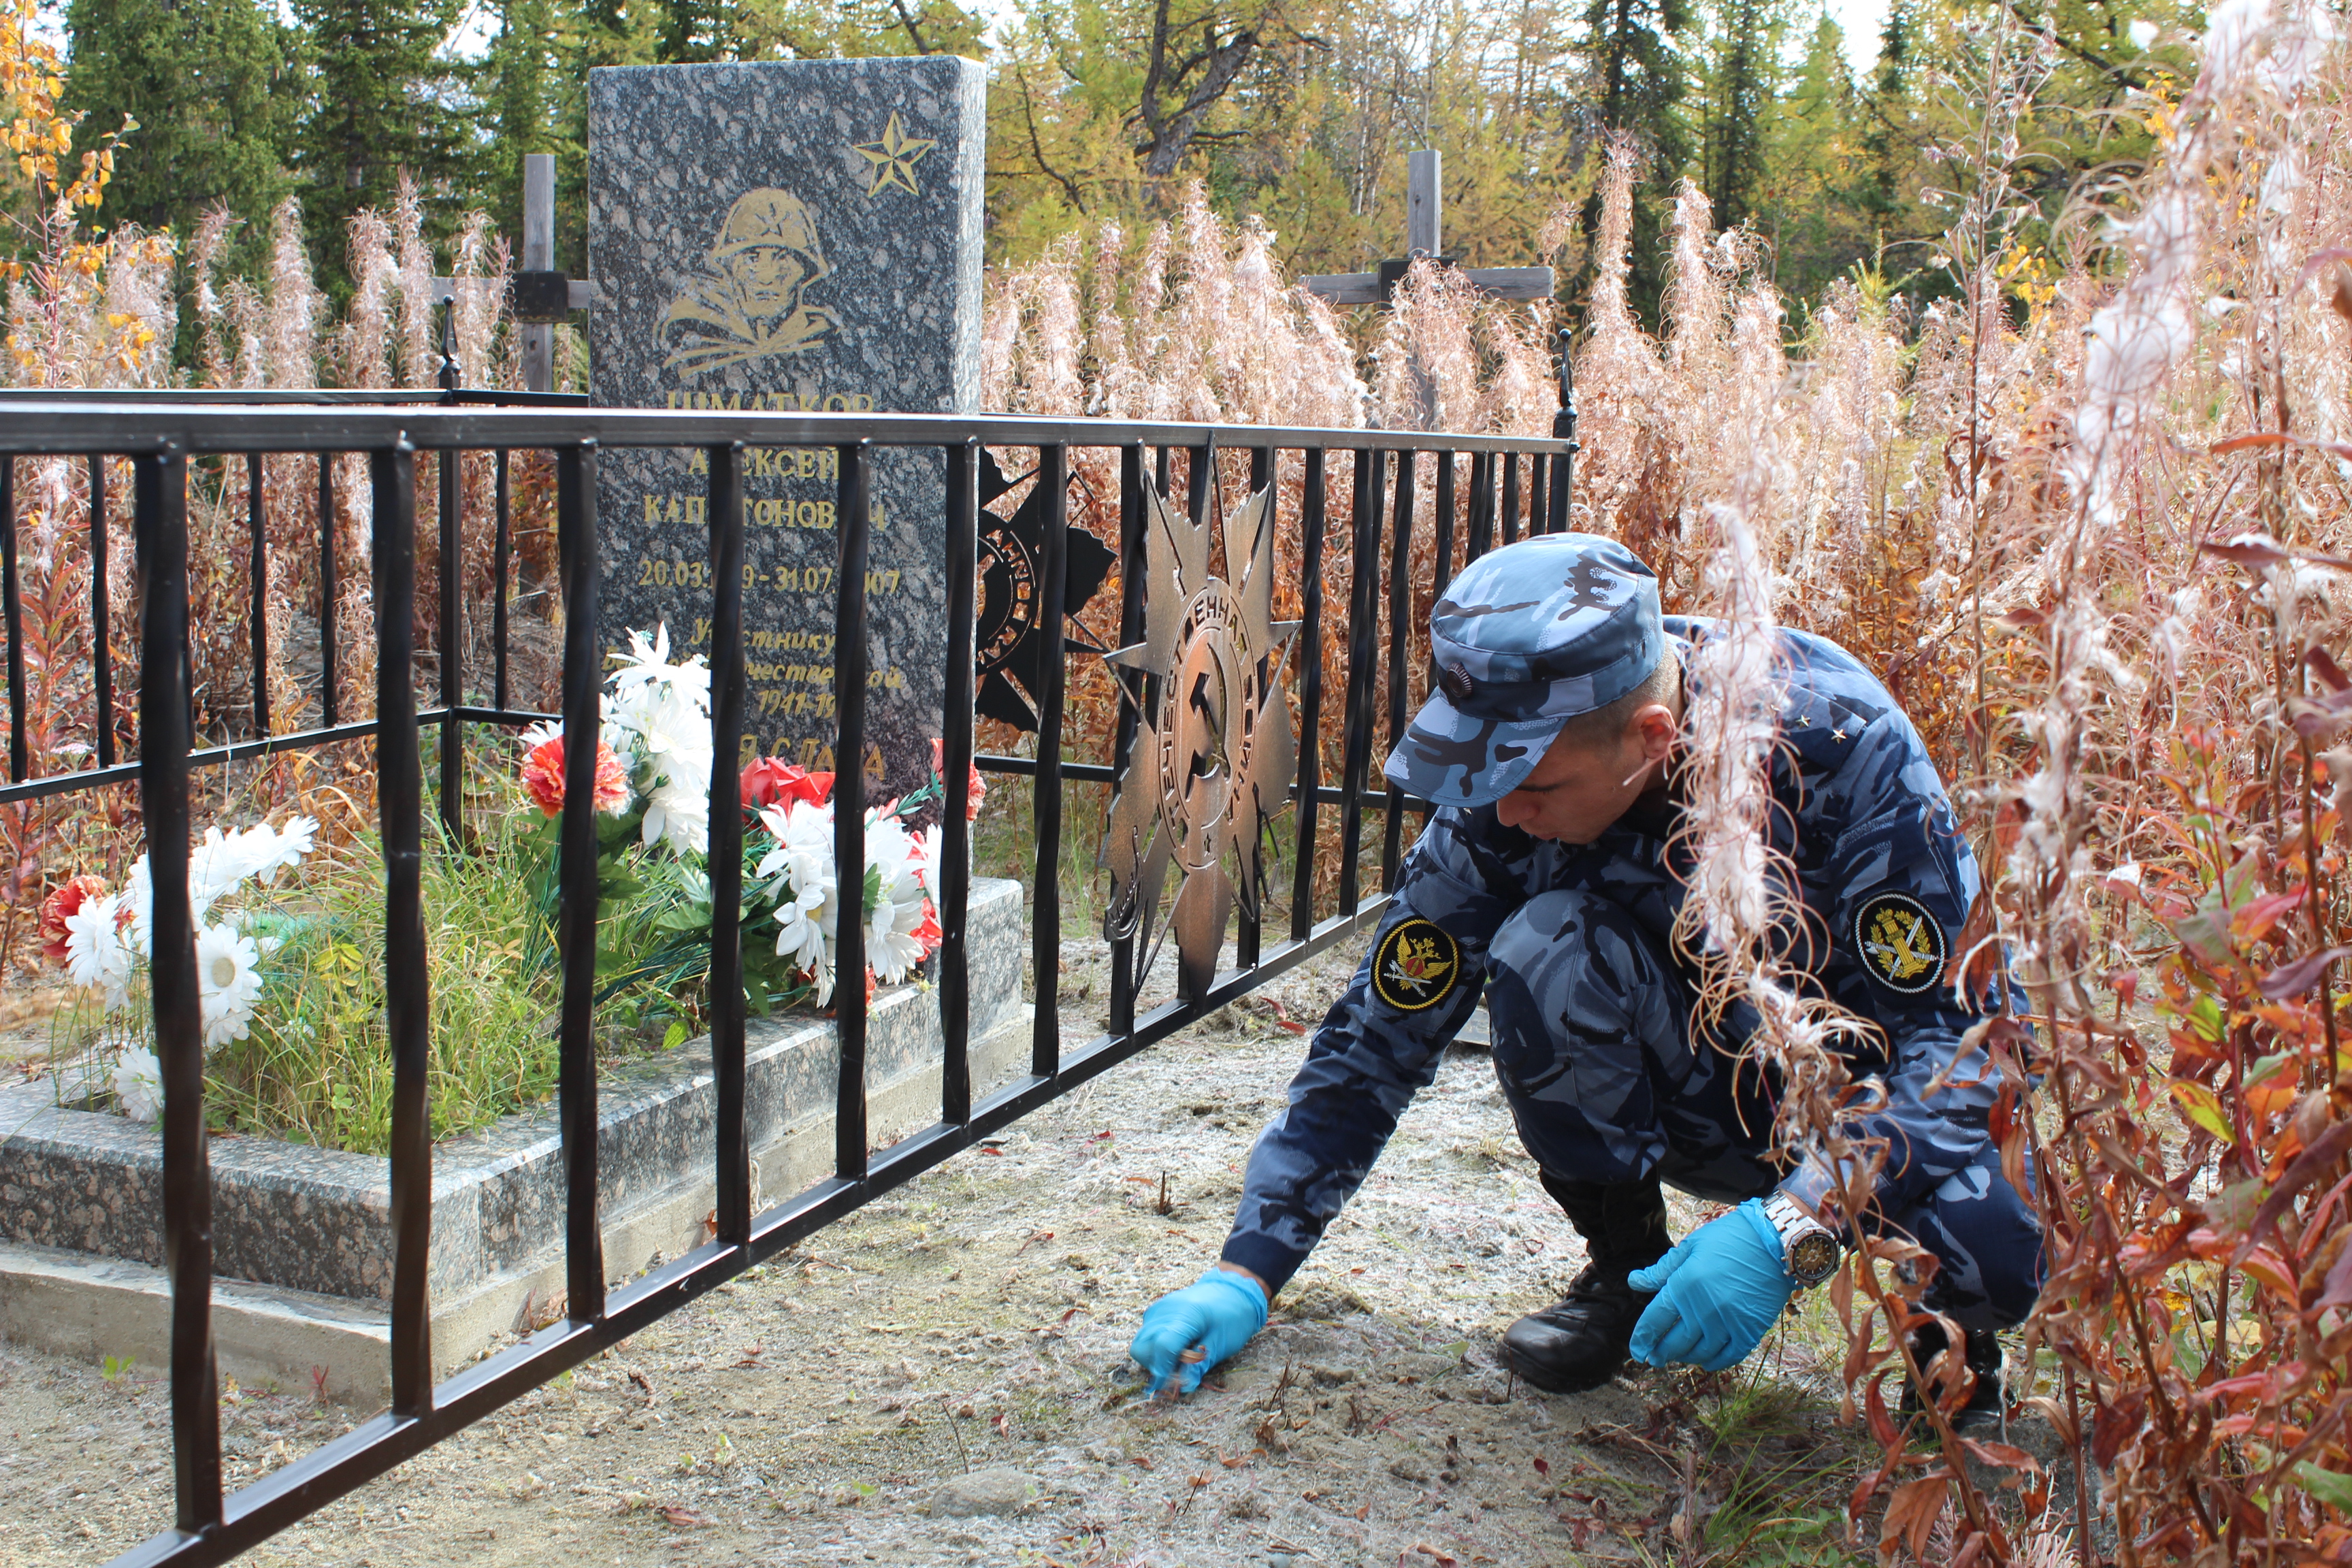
x=1425 y=236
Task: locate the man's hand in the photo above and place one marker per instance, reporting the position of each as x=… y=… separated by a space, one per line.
x=1217 y=1314
x=1719 y=1292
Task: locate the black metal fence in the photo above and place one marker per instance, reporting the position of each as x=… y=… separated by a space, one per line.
x=160 y=436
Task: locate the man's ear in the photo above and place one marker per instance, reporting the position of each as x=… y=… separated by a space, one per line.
x=1654 y=729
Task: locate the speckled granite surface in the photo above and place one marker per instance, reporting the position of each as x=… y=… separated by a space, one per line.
x=794 y=234
x=319 y=1219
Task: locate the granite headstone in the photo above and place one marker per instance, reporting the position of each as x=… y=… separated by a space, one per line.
x=802 y=236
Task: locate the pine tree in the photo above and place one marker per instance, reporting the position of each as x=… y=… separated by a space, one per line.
x=1745 y=74
x=1638 y=81
x=379 y=107
x=209 y=85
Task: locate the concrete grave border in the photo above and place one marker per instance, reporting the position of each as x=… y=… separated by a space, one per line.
x=303 y=1234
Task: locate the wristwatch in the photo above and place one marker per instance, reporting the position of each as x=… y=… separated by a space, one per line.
x=1810 y=1249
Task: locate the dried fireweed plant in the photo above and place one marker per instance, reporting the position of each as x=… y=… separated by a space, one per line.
x=2090 y=526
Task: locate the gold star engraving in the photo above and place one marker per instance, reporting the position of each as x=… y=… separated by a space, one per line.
x=892 y=159
x=1837 y=734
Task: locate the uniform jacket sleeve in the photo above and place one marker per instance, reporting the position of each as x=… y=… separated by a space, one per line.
x=1893 y=845
x=1369 y=1059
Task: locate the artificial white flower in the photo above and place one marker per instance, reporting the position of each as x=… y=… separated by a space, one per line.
x=138 y=1085
x=534 y=736
x=801 y=885
x=662 y=712
x=282 y=849
x=96 y=953
x=143 y=907
x=228 y=982
x=892 y=943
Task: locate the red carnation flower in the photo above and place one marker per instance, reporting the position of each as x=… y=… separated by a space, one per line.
x=543 y=777
x=938 y=769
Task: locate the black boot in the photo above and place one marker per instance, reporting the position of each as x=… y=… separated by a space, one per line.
x=1580 y=1341
x=1982 y=1409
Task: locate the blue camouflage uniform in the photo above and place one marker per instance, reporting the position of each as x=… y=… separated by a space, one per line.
x=1592 y=1008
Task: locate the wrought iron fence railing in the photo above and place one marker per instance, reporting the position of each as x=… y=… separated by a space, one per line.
x=1509 y=483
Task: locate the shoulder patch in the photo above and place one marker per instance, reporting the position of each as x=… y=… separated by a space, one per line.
x=1416 y=967
x=1900 y=942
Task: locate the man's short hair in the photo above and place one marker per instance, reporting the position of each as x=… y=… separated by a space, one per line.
x=1607 y=722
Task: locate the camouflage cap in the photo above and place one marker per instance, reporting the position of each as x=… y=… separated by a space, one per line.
x=1526 y=638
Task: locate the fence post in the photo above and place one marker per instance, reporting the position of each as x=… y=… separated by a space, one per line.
x=1563 y=430
x=161 y=511
x=538 y=256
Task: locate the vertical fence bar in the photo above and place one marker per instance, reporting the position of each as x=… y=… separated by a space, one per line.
x=853 y=512
x=1538 y=508
x=328 y=588
x=102 y=629
x=500 y=553
x=400 y=796
x=257 y=574
x=1134 y=692
x=1443 y=572
x=1363 y=651
x=955 y=776
x=453 y=649
x=1310 y=689
x=731 y=1140
x=1563 y=430
x=161 y=518
x=12 y=602
x=1510 y=497
x=1046 y=903
x=1249 y=934
x=1400 y=640
x=1479 y=536
x=583 y=661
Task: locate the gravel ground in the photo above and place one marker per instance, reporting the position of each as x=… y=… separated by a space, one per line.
x=943 y=1380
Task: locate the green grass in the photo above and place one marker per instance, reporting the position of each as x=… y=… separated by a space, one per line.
x=317 y=1065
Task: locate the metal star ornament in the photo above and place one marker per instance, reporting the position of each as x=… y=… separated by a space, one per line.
x=892 y=159
x=1213 y=753
x=1009 y=656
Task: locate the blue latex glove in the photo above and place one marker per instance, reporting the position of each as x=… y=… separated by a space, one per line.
x=1719 y=1292
x=1219 y=1314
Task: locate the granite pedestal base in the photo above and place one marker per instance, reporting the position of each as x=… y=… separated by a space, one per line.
x=303 y=1236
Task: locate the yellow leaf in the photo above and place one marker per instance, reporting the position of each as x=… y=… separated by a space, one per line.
x=2204 y=1107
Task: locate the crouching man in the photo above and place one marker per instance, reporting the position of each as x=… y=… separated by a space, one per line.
x=1550 y=872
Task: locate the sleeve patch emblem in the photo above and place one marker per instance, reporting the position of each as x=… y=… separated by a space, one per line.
x=1416 y=967
x=1900 y=942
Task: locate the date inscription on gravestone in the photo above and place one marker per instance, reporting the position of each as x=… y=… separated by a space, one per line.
x=797 y=235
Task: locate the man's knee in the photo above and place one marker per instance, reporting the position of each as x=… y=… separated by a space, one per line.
x=1567 y=963
x=1990 y=1241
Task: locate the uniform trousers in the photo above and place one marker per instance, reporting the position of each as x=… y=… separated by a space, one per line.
x=1591 y=1018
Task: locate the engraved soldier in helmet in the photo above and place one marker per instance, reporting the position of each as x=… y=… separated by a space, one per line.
x=1548 y=878
x=748 y=305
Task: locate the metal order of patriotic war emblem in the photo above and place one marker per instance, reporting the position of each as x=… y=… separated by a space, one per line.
x=1416 y=967
x=1901 y=943
x=1213 y=752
